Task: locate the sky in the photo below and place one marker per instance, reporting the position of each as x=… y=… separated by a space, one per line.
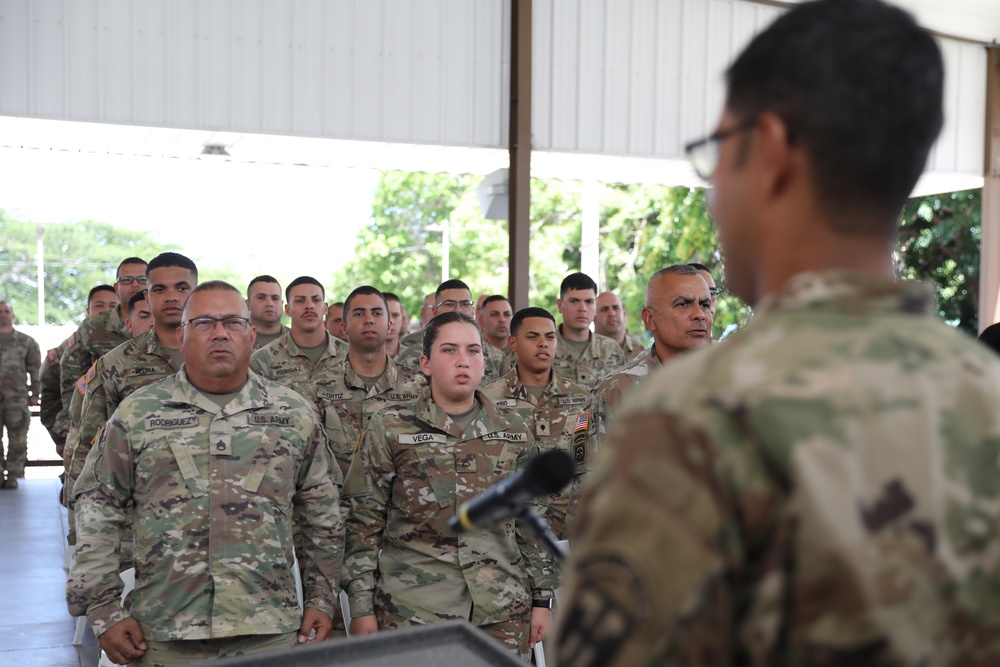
x=270 y=216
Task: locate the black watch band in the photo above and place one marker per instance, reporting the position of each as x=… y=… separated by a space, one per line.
x=542 y=604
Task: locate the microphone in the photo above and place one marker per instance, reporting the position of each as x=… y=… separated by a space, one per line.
x=547 y=473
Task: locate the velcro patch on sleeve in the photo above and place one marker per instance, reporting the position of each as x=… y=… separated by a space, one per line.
x=582 y=422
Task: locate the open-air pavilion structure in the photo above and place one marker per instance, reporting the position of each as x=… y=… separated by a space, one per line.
x=608 y=90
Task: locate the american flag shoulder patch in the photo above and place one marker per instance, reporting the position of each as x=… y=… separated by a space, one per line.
x=582 y=422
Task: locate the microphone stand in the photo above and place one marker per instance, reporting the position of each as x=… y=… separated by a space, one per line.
x=538 y=526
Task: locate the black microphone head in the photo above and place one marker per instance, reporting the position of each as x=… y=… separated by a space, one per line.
x=548 y=472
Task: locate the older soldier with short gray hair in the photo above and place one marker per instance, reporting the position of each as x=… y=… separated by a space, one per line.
x=220 y=464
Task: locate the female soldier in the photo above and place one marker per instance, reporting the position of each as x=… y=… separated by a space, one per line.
x=415 y=465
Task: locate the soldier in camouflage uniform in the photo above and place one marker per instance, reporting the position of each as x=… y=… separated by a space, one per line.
x=100 y=299
x=552 y=407
x=713 y=291
x=369 y=380
x=141 y=360
x=97 y=336
x=582 y=357
x=19 y=387
x=396 y=323
x=821 y=488
x=494 y=319
x=264 y=300
x=416 y=464
x=219 y=464
x=611 y=321
x=455 y=296
x=307 y=353
x=678 y=314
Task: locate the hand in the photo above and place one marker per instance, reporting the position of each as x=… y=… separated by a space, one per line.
x=541 y=619
x=314 y=619
x=363 y=625
x=123 y=642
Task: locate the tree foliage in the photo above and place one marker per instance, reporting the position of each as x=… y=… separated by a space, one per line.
x=77 y=257
x=643 y=229
x=939 y=241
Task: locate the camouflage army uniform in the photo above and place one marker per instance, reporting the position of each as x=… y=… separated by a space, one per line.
x=415 y=339
x=820 y=489
x=98 y=335
x=50 y=401
x=607 y=395
x=263 y=340
x=559 y=421
x=412 y=471
x=216 y=493
x=130 y=366
x=631 y=347
x=283 y=362
x=345 y=406
x=601 y=356
x=19 y=374
x=496 y=362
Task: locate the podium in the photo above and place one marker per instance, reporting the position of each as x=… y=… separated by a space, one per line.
x=445 y=643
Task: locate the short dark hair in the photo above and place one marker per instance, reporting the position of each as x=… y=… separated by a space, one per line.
x=577 y=281
x=364 y=289
x=523 y=314
x=991 y=337
x=389 y=296
x=303 y=280
x=99 y=288
x=700 y=267
x=128 y=260
x=494 y=297
x=262 y=279
x=171 y=259
x=857 y=83
x=134 y=299
x=210 y=286
x=433 y=328
x=454 y=283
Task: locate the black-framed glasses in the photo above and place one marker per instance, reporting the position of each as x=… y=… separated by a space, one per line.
x=451 y=304
x=206 y=324
x=128 y=280
x=704 y=153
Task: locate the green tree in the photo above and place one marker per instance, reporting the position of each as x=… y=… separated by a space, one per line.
x=77 y=256
x=647 y=227
x=939 y=241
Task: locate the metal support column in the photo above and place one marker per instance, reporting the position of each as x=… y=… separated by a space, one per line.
x=519 y=211
x=989 y=257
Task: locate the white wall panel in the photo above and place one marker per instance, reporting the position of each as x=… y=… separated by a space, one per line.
x=618 y=77
x=389 y=70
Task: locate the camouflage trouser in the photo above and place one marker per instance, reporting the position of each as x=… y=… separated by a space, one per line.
x=14 y=419
x=514 y=633
x=184 y=651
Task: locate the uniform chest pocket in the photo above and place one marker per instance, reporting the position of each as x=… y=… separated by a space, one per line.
x=170 y=476
x=272 y=471
x=503 y=464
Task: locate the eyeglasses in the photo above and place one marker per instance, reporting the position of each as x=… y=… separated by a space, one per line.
x=128 y=280
x=704 y=153
x=229 y=323
x=451 y=304
x=715 y=291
